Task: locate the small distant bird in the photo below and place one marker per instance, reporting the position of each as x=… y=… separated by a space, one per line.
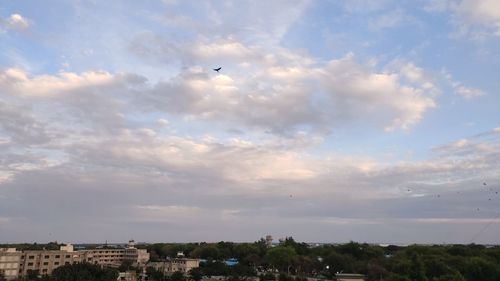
x=484 y=183
x=217 y=69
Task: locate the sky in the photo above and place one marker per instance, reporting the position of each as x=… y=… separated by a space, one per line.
x=330 y=121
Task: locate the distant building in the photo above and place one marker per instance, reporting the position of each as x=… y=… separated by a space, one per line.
x=9 y=262
x=45 y=261
x=269 y=240
x=170 y=266
x=349 y=277
x=127 y=276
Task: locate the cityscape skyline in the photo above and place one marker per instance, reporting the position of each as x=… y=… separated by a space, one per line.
x=328 y=121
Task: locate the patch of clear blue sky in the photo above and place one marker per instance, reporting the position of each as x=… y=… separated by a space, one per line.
x=328 y=32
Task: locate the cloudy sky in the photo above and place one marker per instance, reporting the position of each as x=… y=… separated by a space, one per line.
x=330 y=121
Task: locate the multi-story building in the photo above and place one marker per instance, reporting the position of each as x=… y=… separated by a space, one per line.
x=9 y=262
x=170 y=266
x=45 y=261
x=15 y=264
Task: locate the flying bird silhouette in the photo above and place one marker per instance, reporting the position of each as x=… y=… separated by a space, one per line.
x=217 y=69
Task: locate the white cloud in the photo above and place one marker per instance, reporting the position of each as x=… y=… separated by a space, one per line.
x=383 y=95
x=163 y=122
x=19 y=81
x=277 y=91
x=468 y=93
x=471 y=17
x=16 y=22
x=461 y=90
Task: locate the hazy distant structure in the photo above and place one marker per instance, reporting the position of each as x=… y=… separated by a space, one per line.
x=15 y=264
x=131 y=244
x=349 y=277
x=269 y=240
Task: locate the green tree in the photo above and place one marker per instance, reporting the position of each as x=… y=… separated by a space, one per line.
x=397 y=277
x=84 y=272
x=155 y=274
x=417 y=269
x=125 y=265
x=451 y=277
x=480 y=269
x=208 y=252
x=281 y=257
x=195 y=274
x=268 y=276
x=177 y=276
x=216 y=268
x=32 y=274
x=284 y=277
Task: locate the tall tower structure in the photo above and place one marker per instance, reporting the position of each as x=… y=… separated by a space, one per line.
x=269 y=240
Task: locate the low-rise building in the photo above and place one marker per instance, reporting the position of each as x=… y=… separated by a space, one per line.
x=349 y=277
x=127 y=276
x=170 y=266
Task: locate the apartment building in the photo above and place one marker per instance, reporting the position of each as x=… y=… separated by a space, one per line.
x=9 y=262
x=17 y=264
x=46 y=261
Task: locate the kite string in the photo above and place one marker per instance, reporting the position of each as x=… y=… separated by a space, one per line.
x=484 y=228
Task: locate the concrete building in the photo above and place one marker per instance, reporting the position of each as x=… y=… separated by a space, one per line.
x=45 y=261
x=9 y=262
x=349 y=277
x=115 y=256
x=127 y=276
x=269 y=240
x=170 y=266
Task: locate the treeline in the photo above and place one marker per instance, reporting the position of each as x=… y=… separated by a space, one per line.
x=391 y=263
x=293 y=261
x=33 y=246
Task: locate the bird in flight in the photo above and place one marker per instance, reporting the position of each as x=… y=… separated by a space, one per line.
x=217 y=69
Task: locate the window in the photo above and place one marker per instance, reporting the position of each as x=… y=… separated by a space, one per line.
x=58 y=256
x=66 y=262
x=44 y=270
x=31 y=257
x=30 y=264
x=46 y=263
x=47 y=256
x=56 y=263
x=68 y=256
